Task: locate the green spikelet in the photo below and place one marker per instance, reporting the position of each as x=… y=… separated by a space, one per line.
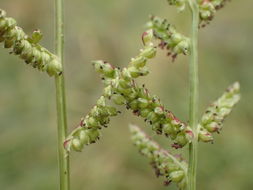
x=215 y=114
x=27 y=48
x=174 y=169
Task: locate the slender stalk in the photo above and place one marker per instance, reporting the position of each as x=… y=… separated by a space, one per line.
x=60 y=100
x=194 y=96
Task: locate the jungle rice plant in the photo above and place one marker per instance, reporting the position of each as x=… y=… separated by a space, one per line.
x=121 y=88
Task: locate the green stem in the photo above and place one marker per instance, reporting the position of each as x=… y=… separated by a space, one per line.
x=194 y=96
x=63 y=159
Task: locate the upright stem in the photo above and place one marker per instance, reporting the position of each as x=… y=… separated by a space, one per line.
x=63 y=159
x=194 y=96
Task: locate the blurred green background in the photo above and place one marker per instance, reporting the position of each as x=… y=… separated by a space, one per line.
x=111 y=30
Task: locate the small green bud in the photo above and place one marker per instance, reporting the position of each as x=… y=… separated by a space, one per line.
x=134 y=104
x=152 y=116
x=104 y=68
x=108 y=91
x=212 y=127
x=180 y=5
x=177 y=176
x=149 y=52
x=147 y=37
x=2 y=14
x=205 y=136
x=108 y=70
x=124 y=84
x=139 y=61
x=93 y=135
x=205 y=14
x=157 y=127
x=98 y=65
x=134 y=72
x=182 y=47
x=36 y=36
x=95 y=112
x=208 y=6
x=92 y=122
x=168 y=129
x=76 y=145
x=118 y=99
x=144 y=112
x=54 y=67
x=176 y=38
x=142 y=103
x=159 y=110
x=84 y=137
x=133 y=95
x=126 y=74
x=125 y=91
x=173 y=167
x=181 y=139
x=102 y=111
x=207 y=118
x=112 y=110
x=225 y=111
x=10 y=22
x=37 y=56
x=101 y=101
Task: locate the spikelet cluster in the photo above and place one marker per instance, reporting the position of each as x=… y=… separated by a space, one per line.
x=215 y=114
x=174 y=42
x=27 y=48
x=123 y=90
x=180 y=4
x=207 y=9
x=173 y=168
x=88 y=131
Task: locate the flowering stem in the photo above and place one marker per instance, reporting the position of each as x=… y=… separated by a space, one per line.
x=193 y=147
x=63 y=159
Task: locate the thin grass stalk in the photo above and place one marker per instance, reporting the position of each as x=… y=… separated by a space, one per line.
x=63 y=158
x=194 y=96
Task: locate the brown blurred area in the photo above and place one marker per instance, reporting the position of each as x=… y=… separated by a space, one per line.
x=111 y=30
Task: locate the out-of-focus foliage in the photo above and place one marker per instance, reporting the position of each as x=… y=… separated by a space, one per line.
x=111 y=30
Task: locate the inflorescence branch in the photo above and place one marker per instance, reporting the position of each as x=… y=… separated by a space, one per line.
x=27 y=48
x=215 y=114
x=170 y=40
x=123 y=90
x=173 y=168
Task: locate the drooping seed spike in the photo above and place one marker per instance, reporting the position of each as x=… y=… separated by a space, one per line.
x=27 y=48
x=173 y=168
x=215 y=114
